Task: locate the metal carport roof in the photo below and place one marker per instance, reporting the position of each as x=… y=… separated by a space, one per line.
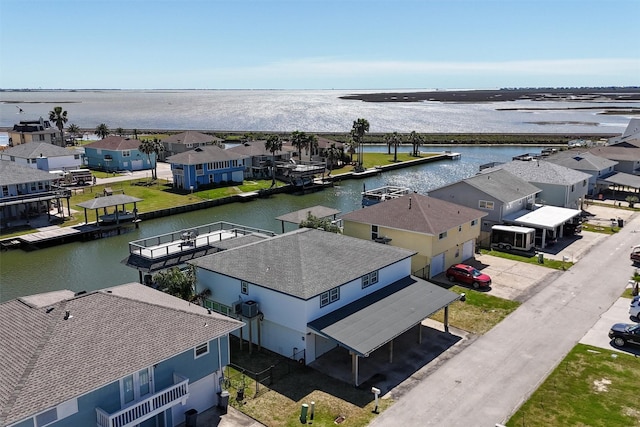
x=623 y=179
x=547 y=217
x=372 y=321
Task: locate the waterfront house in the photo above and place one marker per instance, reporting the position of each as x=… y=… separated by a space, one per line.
x=26 y=193
x=206 y=166
x=560 y=185
x=259 y=159
x=498 y=193
x=598 y=168
x=123 y=356
x=185 y=141
x=440 y=232
x=303 y=293
x=34 y=131
x=117 y=153
x=43 y=156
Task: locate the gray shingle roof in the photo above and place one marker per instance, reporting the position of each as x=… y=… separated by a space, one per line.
x=107 y=201
x=416 y=212
x=252 y=149
x=303 y=263
x=502 y=185
x=205 y=154
x=115 y=143
x=31 y=150
x=46 y=360
x=191 y=137
x=583 y=161
x=12 y=174
x=544 y=172
x=298 y=216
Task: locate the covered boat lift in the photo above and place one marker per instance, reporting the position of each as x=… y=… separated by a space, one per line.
x=104 y=202
x=297 y=217
x=369 y=323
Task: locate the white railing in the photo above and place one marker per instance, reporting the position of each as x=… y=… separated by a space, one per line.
x=147 y=408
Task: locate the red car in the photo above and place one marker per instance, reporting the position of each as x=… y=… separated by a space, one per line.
x=468 y=275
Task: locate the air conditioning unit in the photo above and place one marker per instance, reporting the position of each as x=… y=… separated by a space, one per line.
x=236 y=307
x=249 y=309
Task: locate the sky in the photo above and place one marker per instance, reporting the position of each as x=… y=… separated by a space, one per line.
x=318 y=44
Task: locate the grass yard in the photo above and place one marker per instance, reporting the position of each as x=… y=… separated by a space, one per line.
x=550 y=263
x=590 y=387
x=479 y=313
x=370 y=160
x=599 y=228
x=279 y=404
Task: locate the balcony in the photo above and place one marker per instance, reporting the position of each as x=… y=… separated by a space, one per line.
x=142 y=410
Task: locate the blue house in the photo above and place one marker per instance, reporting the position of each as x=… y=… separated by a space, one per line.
x=116 y=153
x=122 y=356
x=207 y=165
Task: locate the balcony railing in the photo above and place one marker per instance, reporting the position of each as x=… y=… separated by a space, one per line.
x=141 y=411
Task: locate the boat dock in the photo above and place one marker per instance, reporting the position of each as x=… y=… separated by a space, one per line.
x=54 y=235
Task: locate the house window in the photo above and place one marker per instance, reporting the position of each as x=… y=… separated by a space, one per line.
x=244 y=287
x=474 y=222
x=200 y=169
x=485 y=204
x=41 y=137
x=573 y=188
x=442 y=235
x=201 y=350
x=12 y=158
x=330 y=296
x=126 y=153
x=370 y=279
x=374 y=232
x=135 y=386
x=76 y=156
x=459 y=228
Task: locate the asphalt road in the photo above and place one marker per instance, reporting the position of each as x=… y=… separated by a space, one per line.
x=488 y=381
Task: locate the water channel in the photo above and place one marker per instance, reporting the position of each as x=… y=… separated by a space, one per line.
x=97 y=264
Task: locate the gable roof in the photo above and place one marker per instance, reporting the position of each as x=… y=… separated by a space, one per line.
x=543 y=172
x=253 y=148
x=417 y=213
x=499 y=184
x=39 y=348
x=12 y=174
x=191 y=137
x=303 y=263
x=115 y=143
x=581 y=161
x=624 y=151
x=204 y=154
x=32 y=150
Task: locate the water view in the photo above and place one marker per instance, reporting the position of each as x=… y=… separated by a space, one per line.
x=97 y=264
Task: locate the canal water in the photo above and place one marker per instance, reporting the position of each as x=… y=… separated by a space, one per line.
x=97 y=264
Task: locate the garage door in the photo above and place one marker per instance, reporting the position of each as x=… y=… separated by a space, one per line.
x=437 y=265
x=467 y=250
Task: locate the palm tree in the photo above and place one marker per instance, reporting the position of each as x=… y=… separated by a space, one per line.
x=273 y=144
x=416 y=141
x=351 y=147
x=333 y=154
x=149 y=147
x=360 y=127
x=299 y=141
x=312 y=144
x=120 y=132
x=59 y=118
x=387 y=140
x=636 y=282
x=102 y=131
x=74 y=130
x=177 y=283
x=395 y=140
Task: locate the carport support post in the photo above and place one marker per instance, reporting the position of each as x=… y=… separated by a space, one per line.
x=420 y=333
x=446 y=319
x=354 y=368
x=391 y=351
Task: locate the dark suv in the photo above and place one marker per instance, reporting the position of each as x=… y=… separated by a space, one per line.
x=468 y=275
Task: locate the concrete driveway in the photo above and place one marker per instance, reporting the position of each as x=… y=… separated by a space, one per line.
x=598 y=334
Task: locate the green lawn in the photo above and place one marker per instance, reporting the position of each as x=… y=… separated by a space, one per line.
x=479 y=313
x=590 y=387
x=370 y=160
x=533 y=259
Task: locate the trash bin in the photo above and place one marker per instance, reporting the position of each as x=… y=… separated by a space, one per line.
x=223 y=401
x=620 y=222
x=190 y=418
x=540 y=258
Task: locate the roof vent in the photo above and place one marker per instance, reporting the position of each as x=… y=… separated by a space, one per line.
x=79 y=293
x=49 y=310
x=67 y=315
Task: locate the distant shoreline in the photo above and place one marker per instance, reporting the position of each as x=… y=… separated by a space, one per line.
x=536 y=94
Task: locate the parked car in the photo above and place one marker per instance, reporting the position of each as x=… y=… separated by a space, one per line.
x=634 y=308
x=623 y=333
x=468 y=275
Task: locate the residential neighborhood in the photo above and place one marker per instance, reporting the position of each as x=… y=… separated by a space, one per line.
x=347 y=300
